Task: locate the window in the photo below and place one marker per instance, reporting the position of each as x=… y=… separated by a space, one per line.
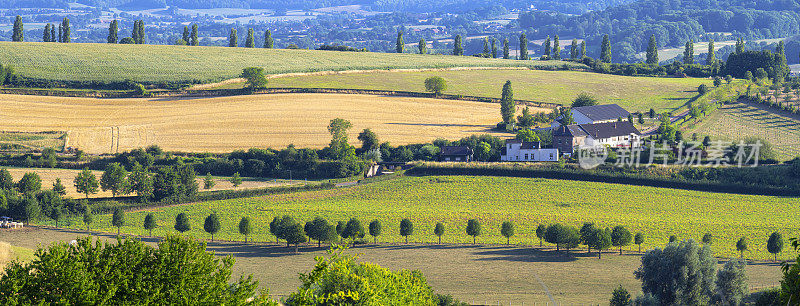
x=526 y=156
x=446 y=159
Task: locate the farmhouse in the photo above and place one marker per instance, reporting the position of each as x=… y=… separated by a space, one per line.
x=609 y=134
x=517 y=150
x=595 y=114
x=456 y=154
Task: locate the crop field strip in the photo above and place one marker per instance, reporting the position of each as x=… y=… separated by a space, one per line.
x=162 y=63
x=225 y=124
x=656 y=212
x=561 y=87
x=740 y=120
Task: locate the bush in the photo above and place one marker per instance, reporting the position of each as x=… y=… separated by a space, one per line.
x=436 y=85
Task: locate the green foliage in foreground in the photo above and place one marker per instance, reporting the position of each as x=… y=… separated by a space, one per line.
x=657 y=213
x=178 y=272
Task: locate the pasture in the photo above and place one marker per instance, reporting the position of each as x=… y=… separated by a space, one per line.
x=162 y=63
x=67 y=177
x=632 y=93
x=517 y=274
x=528 y=202
x=26 y=141
x=225 y=124
x=739 y=120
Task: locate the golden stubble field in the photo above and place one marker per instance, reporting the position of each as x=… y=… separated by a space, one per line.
x=224 y=124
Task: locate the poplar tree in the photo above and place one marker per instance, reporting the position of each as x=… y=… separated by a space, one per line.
x=268 y=42
x=251 y=40
x=523 y=47
x=46 y=34
x=582 y=52
x=17 y=34
x=194 y=41
x=67 y=32
x=605 y=49
x=486 y=50
x=233 y=39
x=711 y=57
x=60 y=32
x=506 y=54
x=186 y=34
x=652 y=51
x=556 y=48
x=494 y=47
x=52 y=33
x=400 y=44
x=113 y=30
x=423 y=46
x=507 y=106
x=457 y=48
x=141 y=35
x=573 y=51
x=739 y=45
x=688 y=53
x=135 y=32
x=547 y=46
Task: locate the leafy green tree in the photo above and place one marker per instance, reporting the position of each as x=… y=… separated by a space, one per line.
x=400 y=44
x=573 y=51
x=507 y=230
x=435 y=84
x=255 y=77
x=741 y=246
x=150 y=223
x=422 y=46
x=87 y=216
x=186 y=34
x=458 y=49
x=66 y=35
x=269 y=43
x=245 y=228
x=406 y=229
x=59 y=188
x=118 y=219
x=193 y=39
x=140 y=33
x=527 y=135
x=694 y=285
x=711 y=57
x=179 y=272
x=182 y=223
x=586 y=234
x=732 y=285
x=749 y=76
x=506 y=53
x=369 y=140
x=250 y=41
x=652 y=51
x=584 y=99
x=600 y=240
x=494 y=47
x=6 y=180
x=775 y=244
x=340 y=228
x=438 y=230
x=113 y=32
x=115 y=179
x=523 y=47
x=208 y=181
x=236 y=180
x=31 y=208
x=211 y=225
x=605 y=49
x=638 y=240
x=486 y=50
x=702 y=89
x=507 y=105
x=541 y=230
x=30 y=183
x=620 y=297
x=556 y=48
x=708 y=239
x=553 y=233
x=375 y=230
x=739 y=45
x=233 y=38
x=86 y=183
x=473 y=229
x=620 y=237
x=139 y=181
x=583 y=50
x=320 y=230
x=353 y=229
x=688 y=53
x=18 y=34
x=339 y=141
x=294 y=234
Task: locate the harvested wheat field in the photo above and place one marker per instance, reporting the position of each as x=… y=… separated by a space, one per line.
x=224 y=124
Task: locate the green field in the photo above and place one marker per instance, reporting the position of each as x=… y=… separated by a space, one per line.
x=656 y=212
x=161 y=63
x=740 y=120
x=632 y=93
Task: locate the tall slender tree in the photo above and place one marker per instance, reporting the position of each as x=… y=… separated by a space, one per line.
x=605 y=49
x=458 y=49
x=494 y=47
x=739 y=45
x=652 y=51
x=186 y=34
x=268 y=42
x=193 y=40
x=582 y=52
x=573 y=51
x=67 y=31
x=400 y=44
x=233 y=39
x=506 y=54
x=486 y=50
x=135 y=32
x=250 y=42
x=523 y=47
x=113 y=32
x=688 y=53
x=556 y=48
x=18 y=32
x=547 y=47
x=711 y=57
x=507 y=104
x=780 y=50
x=422 y=46
x=142 y=38
x=53 y=33
x=46 y=33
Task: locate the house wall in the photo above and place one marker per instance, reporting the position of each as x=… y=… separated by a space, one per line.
x=565 y=144
x=515 y=153
x=620 y=141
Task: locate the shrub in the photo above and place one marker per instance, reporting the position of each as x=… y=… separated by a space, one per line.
x=436 y=85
